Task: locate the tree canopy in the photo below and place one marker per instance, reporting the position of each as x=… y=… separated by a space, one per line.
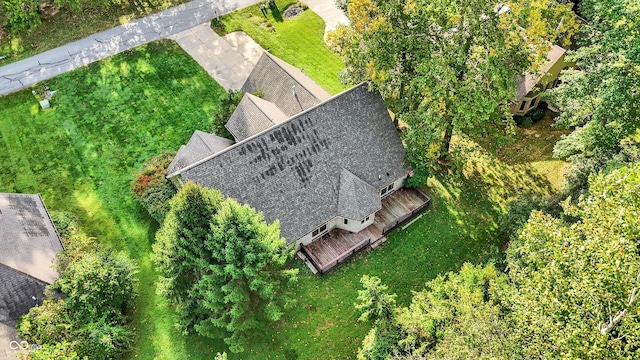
x=91 y=320
x=570 y=290
x=447 y=65
x=222 y=266
x=601 y=96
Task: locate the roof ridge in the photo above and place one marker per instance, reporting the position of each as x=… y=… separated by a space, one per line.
x=260 y=108
x=239 y=143
x=197 y=132
x=282 y=65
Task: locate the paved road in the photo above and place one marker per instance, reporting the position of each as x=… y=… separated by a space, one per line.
x=46 y=65
x=184 y=23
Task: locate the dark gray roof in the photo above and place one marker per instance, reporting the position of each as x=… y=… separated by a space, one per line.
x=292 y=171
x=253 y=115
x=28 y=240
x=277 y=80
x=200 y=146
x=16 y=291
x=356 y=198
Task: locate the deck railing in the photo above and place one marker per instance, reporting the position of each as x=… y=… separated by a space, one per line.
x=408 y=216
x=332 y=265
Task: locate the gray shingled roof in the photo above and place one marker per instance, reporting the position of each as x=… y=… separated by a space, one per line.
x=200 y=146
x=356 y=198
x=28 y=245
x=528 y=82
x=292 y=171
x=253 y=115
x=28 y=240
x=277 y=80
x=16 y=291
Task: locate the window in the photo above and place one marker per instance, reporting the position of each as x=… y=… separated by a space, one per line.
x=346 y=221
x=390 y=187
x=523 y=104
x=315 y=233
x=362 y=222
x=323 y=228
x=535 y=102
x=367 y=219
x=383 y=191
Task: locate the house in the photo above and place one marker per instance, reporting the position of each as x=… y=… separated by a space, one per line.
x=531 y=85
x=315 y=163
x=29 y=243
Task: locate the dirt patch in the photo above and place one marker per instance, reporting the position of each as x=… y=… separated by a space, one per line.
x=292 y=12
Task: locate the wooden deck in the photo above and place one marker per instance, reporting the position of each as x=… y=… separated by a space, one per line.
x=333 y=249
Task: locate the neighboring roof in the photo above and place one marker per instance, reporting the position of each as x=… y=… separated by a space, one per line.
x=28 y=240
x=200 y=146
x=529 y=81
x=356 y=198
x=253 y=115
x=17 y=290
x=277 y=81
x=293 y=171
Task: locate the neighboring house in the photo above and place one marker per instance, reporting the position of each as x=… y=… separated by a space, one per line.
x=311 y=161
x=29 y=243
x=531 y=85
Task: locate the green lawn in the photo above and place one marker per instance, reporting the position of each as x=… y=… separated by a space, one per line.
x=62 y=26
x=106 y=119
x=111 y=116
x=298 y=41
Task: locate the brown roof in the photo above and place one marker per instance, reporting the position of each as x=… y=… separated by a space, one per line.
x=529 y=81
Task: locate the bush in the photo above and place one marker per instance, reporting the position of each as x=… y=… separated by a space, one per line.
x=152 y=188
x=91 y=320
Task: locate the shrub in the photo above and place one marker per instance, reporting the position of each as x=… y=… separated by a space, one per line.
x=152 y=188
x=91 y=320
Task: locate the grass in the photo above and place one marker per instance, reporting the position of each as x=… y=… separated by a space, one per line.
x=106 y=119
x=62 y=26
x=109 y=117
x=298 y=41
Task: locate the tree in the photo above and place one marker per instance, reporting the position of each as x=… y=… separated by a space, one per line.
x=601 y=96
x=222 y=265
x=379 y=307
x=90 y=321
x=447 y=65
x=455 y=317
x=179 y=251
x=575 y=285
x=19 y=15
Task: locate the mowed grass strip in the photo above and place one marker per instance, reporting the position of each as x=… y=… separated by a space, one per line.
x=299 y=41
x=106 y=119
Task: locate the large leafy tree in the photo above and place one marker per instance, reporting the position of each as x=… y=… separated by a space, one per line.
x=576 y=285
x=222 y=265
x=445 y=65
x=601 y=97
x=456 y=316
x=91 y=320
